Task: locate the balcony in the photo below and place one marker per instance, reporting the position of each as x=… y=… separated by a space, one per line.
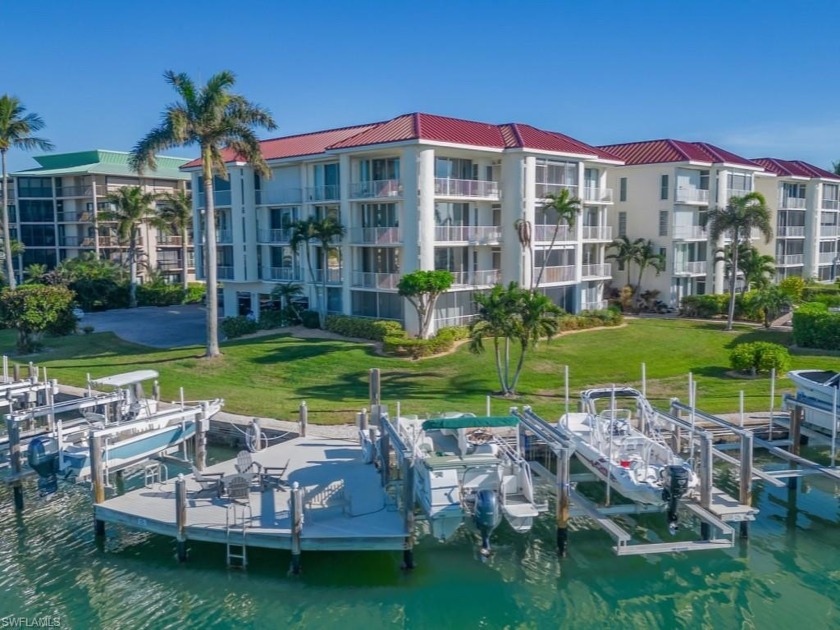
x=597 y=233
x=738 y=192
x=790 y=260
x=544 y=189
x=691 y=195
x=224 y=237
x=598 y=195
x=75 y=217
x=371 y=280
x=74 y=191
x=476 y=234
x=791 y=231
x=224 y=272
x=114 y=241
x=791 y=203
x=599 y=270
x=470 y=188
x=164 y=240
x=828 y=258
x=282 y=235
x=830 y=204
x=175 y=265
x=220 y=198
x=544 y=233
x=691 y=268
x=76 y=241
x=333 y=275
x=829 y=231
x=323 y=193
x=35 y=192
x=554 y=275
x=377 y=236
x=284 y=274
x=455 y=320
x=598 y=305
x=478 y=278
x=689 y=232
x=281 y=196
x=377 y=189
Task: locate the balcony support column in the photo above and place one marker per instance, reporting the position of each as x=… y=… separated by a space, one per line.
x=410 y=224
x=426 y=207
x=812 y=230
x=344 y=209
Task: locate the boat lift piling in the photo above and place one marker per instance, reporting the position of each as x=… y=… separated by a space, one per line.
x=181 y=517
x=96 y=476
x=563 y=486
x=303 y=417
x=13 y=431
x=296 y=518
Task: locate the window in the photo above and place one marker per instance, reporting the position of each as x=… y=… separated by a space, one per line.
x=622 y=223
x=663 y=187
x=704 y=180
x=32 y=210
x=34 y=187
x=379 y=170
x=552 y=176
x=663 y=222
x=454 y=168
x=622 y=188
x=739 y=184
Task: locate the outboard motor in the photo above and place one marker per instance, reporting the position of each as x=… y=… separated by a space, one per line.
x=487 y=516
x=43 y=455
x=675 y=485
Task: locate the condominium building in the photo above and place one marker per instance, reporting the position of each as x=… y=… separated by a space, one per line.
x=806 y=208
x=415 y=192
x=56 y=214
x=665 y=188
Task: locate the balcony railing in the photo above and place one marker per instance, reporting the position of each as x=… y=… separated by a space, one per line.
x=830 y=204
x=791 y=231
x=791 y=203
x=599 y=270
x=828 y=258
x=333 y=275
x=74 y=191
x=553 y=275
x=220 y=198
x=281 y=196
x=377 y=235
x=377 y=189
x=686 y=232
x=454 y=320
x=168 y=239
x=175 y=265
x=36 y=192
x=737 y=192
x=75 y=217
x=445 y=187
x=543 y=189
x=829 y=231
x=114 y=241
x=323 y=193
x=224 y=236
x=285 y=274
x=790 y=260
x=485 y=277
x=282 y=235
x=598 y=305
x=480 y=234
x=544 y=233
x=370 y=280
x=690 y=268
x=597 y=233
x=691 y=195
x=598 y=195
x=75 y=241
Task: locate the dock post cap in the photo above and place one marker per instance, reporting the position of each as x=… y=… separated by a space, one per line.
x=295 y=485
x=180 y=476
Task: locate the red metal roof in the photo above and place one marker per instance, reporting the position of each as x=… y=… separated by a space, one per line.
x=794 y=168
x=666 y=150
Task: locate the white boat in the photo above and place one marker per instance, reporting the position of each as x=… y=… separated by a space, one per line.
x=621 y=446
x=465 y=469
x=821 y=388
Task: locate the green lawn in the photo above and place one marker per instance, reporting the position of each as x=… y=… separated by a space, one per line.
x=269 y=376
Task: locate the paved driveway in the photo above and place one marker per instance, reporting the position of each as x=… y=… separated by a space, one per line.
x=156 y=326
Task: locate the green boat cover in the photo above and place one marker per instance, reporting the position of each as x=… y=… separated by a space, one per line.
x=470 y=422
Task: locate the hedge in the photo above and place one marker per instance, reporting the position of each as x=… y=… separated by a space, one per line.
x=759 y=357
x=443 y=341
x=814 y=326
x=234 y=327
x=363 y=328
x=710 y=306
x=591 y=319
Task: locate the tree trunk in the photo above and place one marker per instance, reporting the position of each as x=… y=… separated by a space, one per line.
x=185 y=266
x=546 y=254
x=132 y=269
x=7 y=242
x=507 y=366
x=637 y=292
x=324 y=262
x=518 y=369
x=733 y=275
x=210 y=257
x=502 y=383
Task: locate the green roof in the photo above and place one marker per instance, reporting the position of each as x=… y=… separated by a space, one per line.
x=99 y=162
x=470 y=422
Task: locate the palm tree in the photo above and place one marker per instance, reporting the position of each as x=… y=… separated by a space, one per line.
x=131 y=208
x=213 y=118
x=537 y=319
x=772 y=300
x=524 y=233
x=303 y=232
x=326 y=232
x=494 y=320
x=16 y=129
x=737 y=221
x=177 y=213
x=35 y=273
x=756 y=268
x=565 y=208
x=625 y=252
x=287 y=293
x=646 y=256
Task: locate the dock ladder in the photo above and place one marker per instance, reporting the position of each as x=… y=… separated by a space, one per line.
x=236 y=522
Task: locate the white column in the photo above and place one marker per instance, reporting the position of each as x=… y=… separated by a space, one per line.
x=410 y=225
x=514 y=256
x=529 y=210
x=813 y=195
x=717 y=270
x=426 y=208
x=249 y=237
x=345 y=212
x=236 y=223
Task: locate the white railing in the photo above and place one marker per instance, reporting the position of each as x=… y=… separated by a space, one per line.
x=333 y=275
x=597 y=233
x=485 y=277
x=323 y=193
x=829 y=231
x=566 y=273
x=377 y=235
x=544 y=189
x=828 y=258
x=691 y=195
x=455 y=320
x=220 y=198
x=689 y=231
x=224 y=273
x=445 y=187
x=370 y=280
x=166 y=239
x=224 y=236
x=791 y=203
x=790 y=260
x=830 y=204
x=283 y=195
x=283 y=273
x=74 y=191
x=597 y=305
x=598 y=195
x=376 y=189
x=544 y=233
x=468 y=233
x=283 y=235
x=791 y=231
x=737 y=192
x=599 y=270
x=75 y=217
x=691 y=267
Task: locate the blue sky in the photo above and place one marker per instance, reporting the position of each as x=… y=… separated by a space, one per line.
x=754 y=77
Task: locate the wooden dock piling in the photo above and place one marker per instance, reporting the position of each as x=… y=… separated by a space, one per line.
x=296 y=516
x=706 y=481
x=374 y=387
x=16 y=372
x=13 y=431
x=562 y=504
x=408 y=507
x=181 y=517
x=745 y=486
x=201 y=427
x=303 y=417
x=97 y=478
x=796 y=415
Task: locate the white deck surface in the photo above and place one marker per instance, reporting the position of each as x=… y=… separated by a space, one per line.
x=357 y=517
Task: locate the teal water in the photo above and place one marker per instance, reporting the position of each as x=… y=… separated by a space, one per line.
x=786 y=576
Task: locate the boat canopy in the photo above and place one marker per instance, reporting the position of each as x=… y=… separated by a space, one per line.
x=127 y=378
x=470 y=422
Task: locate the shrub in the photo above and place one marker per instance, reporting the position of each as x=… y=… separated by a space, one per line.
x=159 y=295
x=590 y=319
x=310 y=319
x=704 y=306
x=34 y=309
x=195 y=293
x=814 y=326
x=793 y=286
x=234 y=327
x=363 y=328
x=444 y=340
x=87 y=329
x=759 y=357
x=271 y=319
x=65 y=324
